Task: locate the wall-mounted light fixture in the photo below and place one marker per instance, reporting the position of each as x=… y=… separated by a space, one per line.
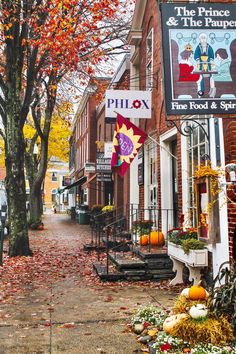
x=231 y=169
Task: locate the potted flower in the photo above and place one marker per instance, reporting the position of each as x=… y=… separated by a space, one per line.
x=96 y=209
x=177 y=235
x=141 y=228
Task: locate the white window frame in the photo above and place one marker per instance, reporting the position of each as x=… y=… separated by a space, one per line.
x=149 y=61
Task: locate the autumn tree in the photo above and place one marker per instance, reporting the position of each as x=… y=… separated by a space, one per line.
x=41 y=42
x=36 y=164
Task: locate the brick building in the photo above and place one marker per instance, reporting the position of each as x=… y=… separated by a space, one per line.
x=83 y=146
x=168 y=181
x=92 y=181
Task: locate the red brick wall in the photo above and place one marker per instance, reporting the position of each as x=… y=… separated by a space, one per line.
x=229 y=129
x=158 y=121
x=122 y=185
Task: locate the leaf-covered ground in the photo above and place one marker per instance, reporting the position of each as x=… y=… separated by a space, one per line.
x=54 y=301
x=57 y=253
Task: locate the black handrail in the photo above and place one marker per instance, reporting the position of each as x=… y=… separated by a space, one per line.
x=122 y=228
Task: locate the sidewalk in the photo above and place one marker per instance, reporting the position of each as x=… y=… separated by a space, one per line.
x=54 y=302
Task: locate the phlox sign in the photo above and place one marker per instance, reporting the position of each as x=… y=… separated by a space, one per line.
x=130 y=104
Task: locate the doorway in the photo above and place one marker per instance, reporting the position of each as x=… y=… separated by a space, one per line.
x=174 y=181
x=169 y=180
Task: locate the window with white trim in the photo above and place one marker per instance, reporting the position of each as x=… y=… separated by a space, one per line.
x=149 y=60
x=54 y=195
x=152 y=173
x=197 y=148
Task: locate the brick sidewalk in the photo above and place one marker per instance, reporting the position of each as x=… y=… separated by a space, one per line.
x=74 y=314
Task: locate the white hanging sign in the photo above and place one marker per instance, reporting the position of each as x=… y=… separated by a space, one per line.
x=130 y=104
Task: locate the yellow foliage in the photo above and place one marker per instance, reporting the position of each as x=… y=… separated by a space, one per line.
x=59 y=139
x=2 y=152
x=59 y=133
x=206 y=170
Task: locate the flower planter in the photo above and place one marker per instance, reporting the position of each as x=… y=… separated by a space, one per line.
x=194 y=261
x=195 y=258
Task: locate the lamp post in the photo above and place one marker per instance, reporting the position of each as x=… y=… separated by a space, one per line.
x=3 y=216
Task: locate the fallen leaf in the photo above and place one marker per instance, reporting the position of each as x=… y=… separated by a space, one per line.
x=67 y=325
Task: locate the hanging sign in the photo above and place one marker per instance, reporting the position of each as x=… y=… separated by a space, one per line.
x=103 y=164
x=130 y=104
x=199 y=52
x=108 y=150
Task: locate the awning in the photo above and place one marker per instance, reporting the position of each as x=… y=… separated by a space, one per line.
x=80 y=181
x=85 y=185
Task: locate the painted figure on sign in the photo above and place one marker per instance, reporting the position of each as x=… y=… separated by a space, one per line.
x=204 y=56
x=222 y=65
x=186 y=68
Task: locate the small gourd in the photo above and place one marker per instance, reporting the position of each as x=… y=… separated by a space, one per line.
x=138 y=328
x=171 y=321
x=197 y=292
x=198 y=311
x=143 y=240
x=185 y=292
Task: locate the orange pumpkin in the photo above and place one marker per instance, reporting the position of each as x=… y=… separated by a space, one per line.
x=197 y=292
x=143 y=240
x=157 y=238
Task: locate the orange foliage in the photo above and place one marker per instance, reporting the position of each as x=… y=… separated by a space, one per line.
x=63 y=33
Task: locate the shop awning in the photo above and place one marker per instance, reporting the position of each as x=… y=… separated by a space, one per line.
x=85 y=185
x=79 y=182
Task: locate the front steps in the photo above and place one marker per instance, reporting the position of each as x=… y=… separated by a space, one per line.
x=142 y=263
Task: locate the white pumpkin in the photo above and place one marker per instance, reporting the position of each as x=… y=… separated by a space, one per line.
x=185 y=293
x=198 y=311
x=171 y=321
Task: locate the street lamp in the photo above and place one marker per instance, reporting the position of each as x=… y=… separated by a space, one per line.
x=3 y=217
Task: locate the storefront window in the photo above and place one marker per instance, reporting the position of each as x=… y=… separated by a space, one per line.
x=197 y=149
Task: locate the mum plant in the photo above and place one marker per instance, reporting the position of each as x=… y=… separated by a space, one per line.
x=149 y=314
x=107 y=208
x=141 y=227
x=178 y=235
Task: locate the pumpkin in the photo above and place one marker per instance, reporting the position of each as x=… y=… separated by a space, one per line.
x=143 y=240
x=157 y=238
x=198 y=311
x=171 y=321
x=197 y=292
x=185 y=293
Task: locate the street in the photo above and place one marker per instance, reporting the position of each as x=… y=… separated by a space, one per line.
x=54 y=302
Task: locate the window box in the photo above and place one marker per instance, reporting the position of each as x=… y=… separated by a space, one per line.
x=194 y=261
x=195 y=258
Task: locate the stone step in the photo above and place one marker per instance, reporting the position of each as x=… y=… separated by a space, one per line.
x=130 y=275
x=101 y=271
x=147 y=253
x=162 y=263
x=92 y=247
x=124 y=263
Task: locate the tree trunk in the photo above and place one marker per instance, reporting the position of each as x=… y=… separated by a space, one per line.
x=36 y=187
x=15 y=184
x=35 y=205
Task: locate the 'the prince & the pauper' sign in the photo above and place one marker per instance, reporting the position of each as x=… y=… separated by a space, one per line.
x=199 y=53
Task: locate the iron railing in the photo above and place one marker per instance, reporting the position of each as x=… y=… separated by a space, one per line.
x=125 y=230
